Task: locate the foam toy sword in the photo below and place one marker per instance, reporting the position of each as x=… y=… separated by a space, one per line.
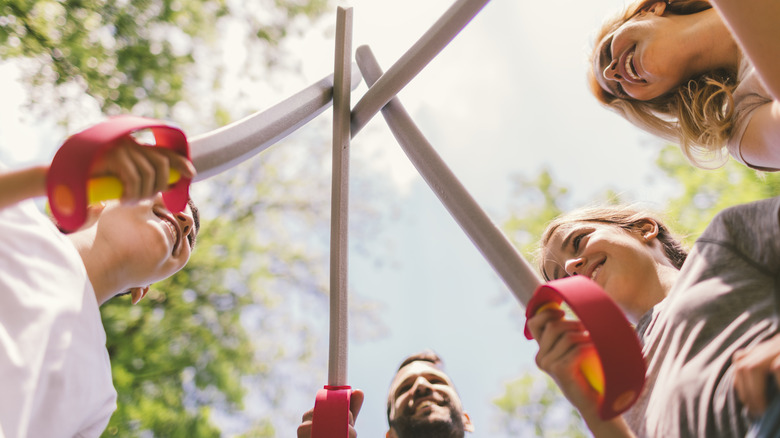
x=70 y=191
x=617 y=371
x=331 y=407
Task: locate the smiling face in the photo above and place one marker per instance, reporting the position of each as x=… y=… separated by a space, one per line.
x=624 y=262
x=154 y=242
x=641 y=59
x=423 y=402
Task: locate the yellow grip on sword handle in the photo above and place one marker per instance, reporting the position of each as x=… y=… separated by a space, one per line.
x=104 y=188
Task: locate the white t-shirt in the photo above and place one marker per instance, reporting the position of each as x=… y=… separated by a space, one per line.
x=55 y=375
x=749 y=95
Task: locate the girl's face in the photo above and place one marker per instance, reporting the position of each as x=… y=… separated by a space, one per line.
x=640 y=59
x=155 y=242
x=624 y=263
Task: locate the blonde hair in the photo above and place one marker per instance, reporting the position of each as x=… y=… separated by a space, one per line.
x=697 y=115
x=627 y=217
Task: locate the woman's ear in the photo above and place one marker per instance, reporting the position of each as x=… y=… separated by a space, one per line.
x=657 y=8
x=648 y=228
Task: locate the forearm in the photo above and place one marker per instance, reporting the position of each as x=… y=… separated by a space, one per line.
x=18 y=185
x=615 y=428
x=754 y=24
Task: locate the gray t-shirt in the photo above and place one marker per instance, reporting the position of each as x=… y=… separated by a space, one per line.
x=726 y=298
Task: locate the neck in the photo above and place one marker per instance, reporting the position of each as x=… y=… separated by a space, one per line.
x=666 y=277
x=100 y=266
x=708 y=41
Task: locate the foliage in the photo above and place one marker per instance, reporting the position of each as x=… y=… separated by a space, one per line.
x=136 y=55
x=532 y=405
x=703 y=193
x=541 y=200
x=201 y=338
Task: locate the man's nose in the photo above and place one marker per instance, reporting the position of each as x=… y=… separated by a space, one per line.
x=422 y=387
x=611 y=72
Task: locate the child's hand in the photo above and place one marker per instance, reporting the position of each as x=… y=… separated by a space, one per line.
x=355 y=402
x=754 y=369
x=142 y=170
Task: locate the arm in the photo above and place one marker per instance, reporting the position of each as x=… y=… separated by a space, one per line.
x=18 y=185
x=143 y=171
x=562 y=345
x=760 y=145
x=355 y=402
x=754 y=24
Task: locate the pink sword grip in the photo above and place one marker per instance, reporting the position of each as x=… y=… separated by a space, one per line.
x=331 y=412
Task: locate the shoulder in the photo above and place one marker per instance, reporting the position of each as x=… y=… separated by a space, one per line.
x=762 y=214
x=749 y=230
x=749 y=95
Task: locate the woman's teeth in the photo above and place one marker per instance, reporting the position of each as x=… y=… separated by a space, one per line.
x=595 y=271
x=630 y=67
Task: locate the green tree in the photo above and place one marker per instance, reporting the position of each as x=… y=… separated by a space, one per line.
x=703 y=193
x=532 y=405
x=137 y=55
x=190 y=352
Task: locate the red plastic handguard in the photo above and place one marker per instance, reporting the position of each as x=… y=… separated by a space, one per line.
x=331 y=412
x=616 y=342
x=66 y=182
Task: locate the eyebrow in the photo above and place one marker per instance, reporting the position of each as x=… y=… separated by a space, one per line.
x=196 y=222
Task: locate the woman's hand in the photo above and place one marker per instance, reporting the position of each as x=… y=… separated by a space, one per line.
x=355 y=402
x=754 y=370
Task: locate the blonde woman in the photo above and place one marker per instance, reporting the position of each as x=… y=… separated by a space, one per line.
x=687 y=73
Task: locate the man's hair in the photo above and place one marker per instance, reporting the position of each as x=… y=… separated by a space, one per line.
x=424 y=356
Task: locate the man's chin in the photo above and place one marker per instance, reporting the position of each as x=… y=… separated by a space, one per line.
x=430 y=422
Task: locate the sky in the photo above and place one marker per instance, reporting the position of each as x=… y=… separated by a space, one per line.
x=506 y=97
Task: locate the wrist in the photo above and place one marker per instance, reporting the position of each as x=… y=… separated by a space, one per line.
x=614 y=428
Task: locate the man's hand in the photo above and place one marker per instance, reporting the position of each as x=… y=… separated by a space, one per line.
x=355 y=402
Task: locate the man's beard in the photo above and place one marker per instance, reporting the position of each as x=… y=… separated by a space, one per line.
x=407 y=426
